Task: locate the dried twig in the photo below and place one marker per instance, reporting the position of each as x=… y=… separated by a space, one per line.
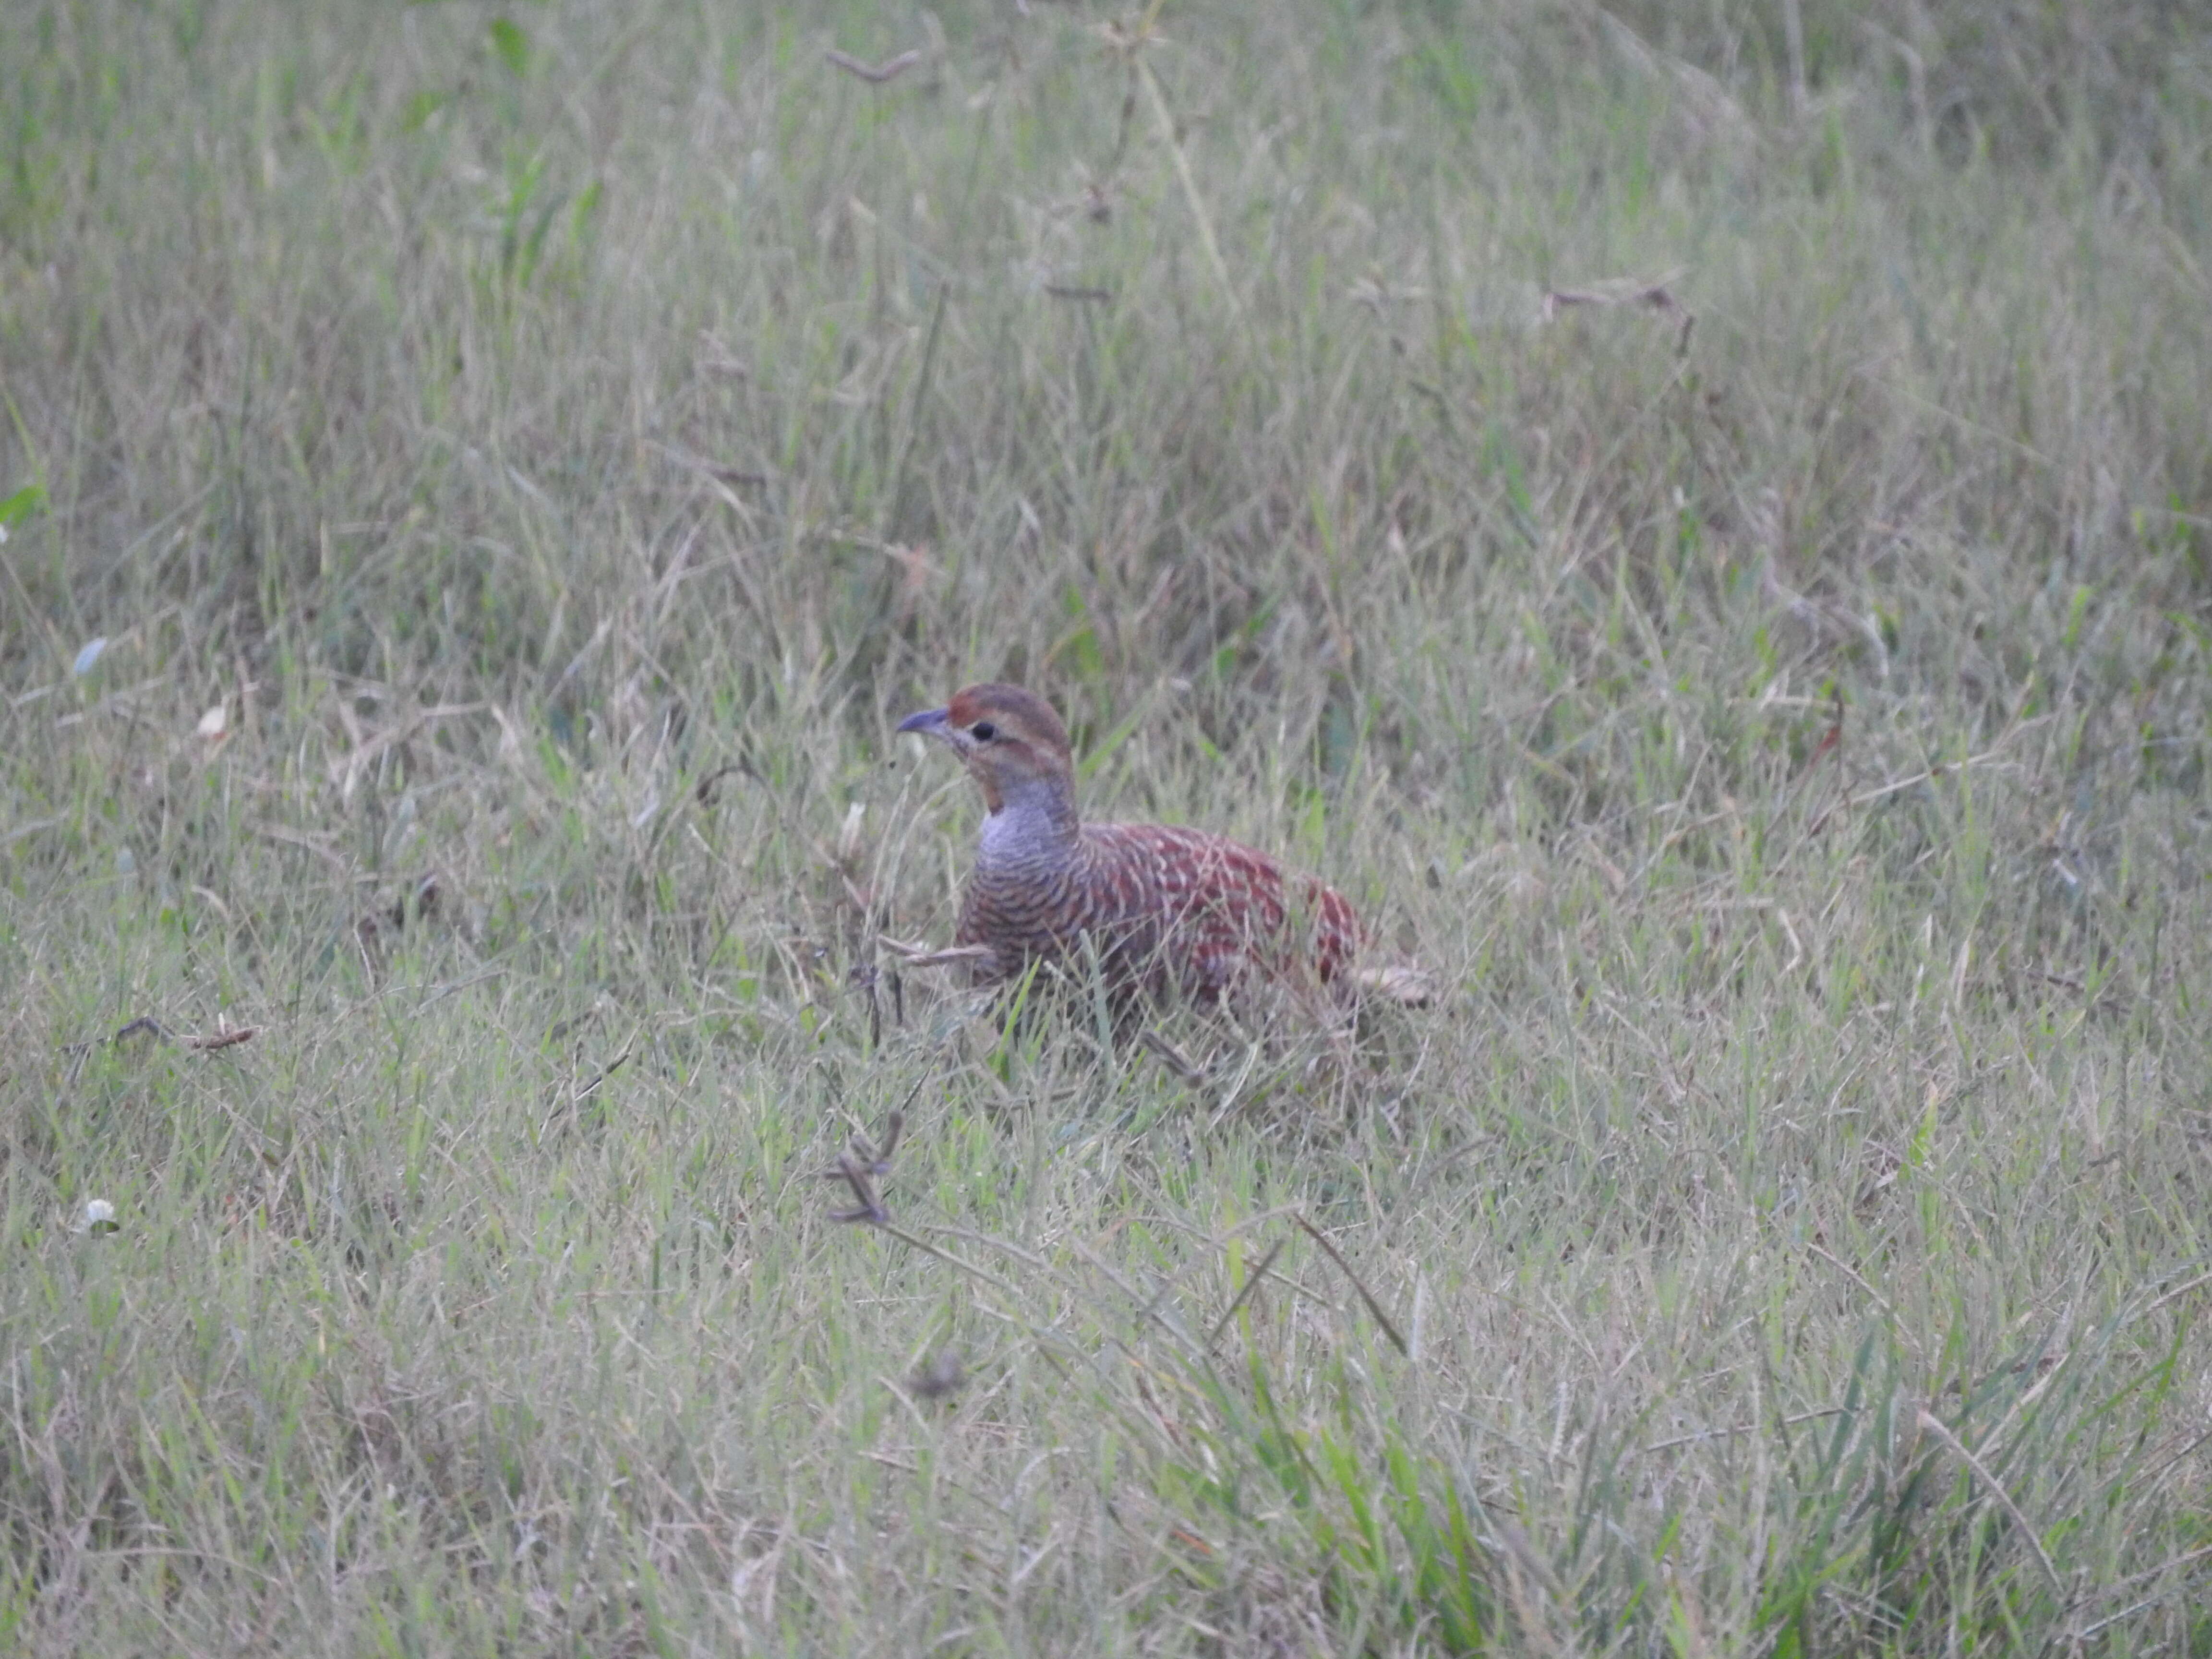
x=606 y=1072
x=921 y=956
x=566 y=1109
x=224 y=1039
x=1399 y=981
x=1647 y=296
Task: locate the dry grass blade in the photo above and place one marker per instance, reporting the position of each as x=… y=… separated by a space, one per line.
x=1374 y=1306
x=1988 y=758
x=1188 y=1070
x=874 y=73
x=2185 y=1288
x=547 y=445
x=1173 y=140
x=1251 y=1284
x=893 y=1126
x=1703 y=1435
x=1934 y=1426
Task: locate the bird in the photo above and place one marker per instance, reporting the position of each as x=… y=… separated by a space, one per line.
x=1165 y=910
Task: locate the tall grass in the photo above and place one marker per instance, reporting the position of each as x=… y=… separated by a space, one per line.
x=479 y=488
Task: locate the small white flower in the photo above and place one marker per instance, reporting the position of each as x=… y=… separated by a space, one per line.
x=99 y=1217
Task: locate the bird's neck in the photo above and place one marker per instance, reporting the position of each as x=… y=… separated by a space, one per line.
x=1031 y=825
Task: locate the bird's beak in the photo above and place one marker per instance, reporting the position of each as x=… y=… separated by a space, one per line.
x=930 y=722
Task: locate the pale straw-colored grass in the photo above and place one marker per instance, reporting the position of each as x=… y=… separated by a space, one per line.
x=545 y=453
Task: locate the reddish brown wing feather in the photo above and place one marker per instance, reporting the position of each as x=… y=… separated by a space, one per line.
x=1224 y=905
x=1194 y=908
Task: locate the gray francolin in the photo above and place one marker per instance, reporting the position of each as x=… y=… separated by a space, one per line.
x=1163 y=907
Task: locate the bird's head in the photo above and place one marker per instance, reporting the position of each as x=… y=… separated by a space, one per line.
x=1009 y=740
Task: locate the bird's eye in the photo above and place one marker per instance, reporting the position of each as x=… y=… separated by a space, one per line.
x=983 y=731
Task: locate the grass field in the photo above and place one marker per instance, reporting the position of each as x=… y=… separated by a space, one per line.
x=482 y=485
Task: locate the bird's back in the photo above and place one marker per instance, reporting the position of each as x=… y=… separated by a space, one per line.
x=1162 y=906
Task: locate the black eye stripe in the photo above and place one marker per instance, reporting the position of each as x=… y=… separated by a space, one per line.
x=983 y=731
